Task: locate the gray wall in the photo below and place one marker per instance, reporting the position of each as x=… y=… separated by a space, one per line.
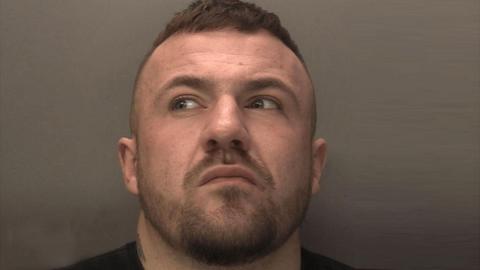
x=399 y=98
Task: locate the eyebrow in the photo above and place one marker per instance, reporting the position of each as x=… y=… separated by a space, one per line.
x=271 y=82
x=189 y=81
x=206 y=85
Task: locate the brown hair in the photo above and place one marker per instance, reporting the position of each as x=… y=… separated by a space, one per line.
x=207 y=15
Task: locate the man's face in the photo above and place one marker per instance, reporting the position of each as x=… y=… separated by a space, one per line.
x=223 y=158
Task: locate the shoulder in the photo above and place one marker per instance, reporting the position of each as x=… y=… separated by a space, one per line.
x=124 y=258
x=314 y=261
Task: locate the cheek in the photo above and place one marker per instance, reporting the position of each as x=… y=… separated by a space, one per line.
x=165 y=157
x=169 y=140
x=288 y=158
x=294 y=168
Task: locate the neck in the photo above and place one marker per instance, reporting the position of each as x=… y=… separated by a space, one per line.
x=155 y=254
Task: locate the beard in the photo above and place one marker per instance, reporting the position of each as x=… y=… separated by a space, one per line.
x=233 y=234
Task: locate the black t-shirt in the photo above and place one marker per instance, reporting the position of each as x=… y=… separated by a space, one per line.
x=126 y=258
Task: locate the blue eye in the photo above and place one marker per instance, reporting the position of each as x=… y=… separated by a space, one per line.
x=263 y=103
x=184 y=103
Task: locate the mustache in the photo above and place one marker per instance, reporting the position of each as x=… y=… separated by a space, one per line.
x=229 y=157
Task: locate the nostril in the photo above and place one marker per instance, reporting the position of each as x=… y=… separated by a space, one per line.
x=236 y=144
x=212 y=144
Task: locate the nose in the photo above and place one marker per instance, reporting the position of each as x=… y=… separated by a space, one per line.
x=225 y=127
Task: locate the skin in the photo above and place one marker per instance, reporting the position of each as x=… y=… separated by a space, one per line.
x=179 y=126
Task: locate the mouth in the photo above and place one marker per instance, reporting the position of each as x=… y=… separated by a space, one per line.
x=228 y=174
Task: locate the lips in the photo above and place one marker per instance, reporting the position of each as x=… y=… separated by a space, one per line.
x=227 y=171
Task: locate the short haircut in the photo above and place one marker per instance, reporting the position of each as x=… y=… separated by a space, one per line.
x=210 y=15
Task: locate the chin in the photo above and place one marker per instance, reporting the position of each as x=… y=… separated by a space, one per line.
x=231 y=236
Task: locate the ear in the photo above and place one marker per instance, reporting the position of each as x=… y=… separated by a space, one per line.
x=319 y=149
x=127 y=154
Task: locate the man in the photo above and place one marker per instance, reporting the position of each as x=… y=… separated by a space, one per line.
x=222 y=154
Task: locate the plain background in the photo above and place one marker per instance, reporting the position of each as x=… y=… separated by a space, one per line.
x=398 y=102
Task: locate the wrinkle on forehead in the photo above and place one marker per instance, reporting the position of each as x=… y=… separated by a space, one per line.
x=227 y=46
x=227 y=58
x=258 y=53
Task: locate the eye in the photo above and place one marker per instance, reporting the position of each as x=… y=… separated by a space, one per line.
x=263 y=103
x=183 y=103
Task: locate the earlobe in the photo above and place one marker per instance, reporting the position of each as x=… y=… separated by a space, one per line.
x=318 y=162
x=127 y=154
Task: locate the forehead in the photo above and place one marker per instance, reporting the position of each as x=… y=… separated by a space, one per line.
x=225 y=54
